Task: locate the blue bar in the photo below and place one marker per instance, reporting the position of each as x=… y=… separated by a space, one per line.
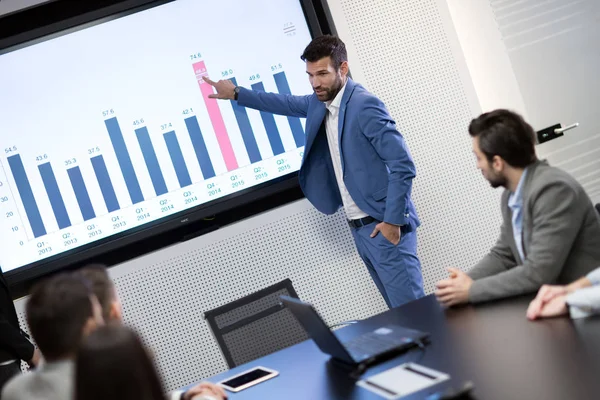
x=284 y=88
x=131 y=181
x=158 y=181
x=53 y=191
x=81 y=193
x=246 y=129
x=199 y=147
x=183 y=176
x=24 y=188
x=270 y=126
x=106 y=186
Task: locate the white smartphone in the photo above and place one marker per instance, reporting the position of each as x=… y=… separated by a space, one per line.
x=248 y=378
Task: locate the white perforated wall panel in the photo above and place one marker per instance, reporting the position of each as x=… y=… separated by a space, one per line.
x=406 y=53
x=165 y=294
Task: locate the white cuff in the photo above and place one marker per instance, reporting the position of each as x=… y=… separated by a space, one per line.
x=176 y=395
x=584 y=302
x=594 y=276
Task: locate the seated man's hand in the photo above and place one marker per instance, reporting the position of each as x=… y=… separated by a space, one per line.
x=555 y=307
x=454 y=290
x=205 y=390
x=35 y=360
x=546 y=294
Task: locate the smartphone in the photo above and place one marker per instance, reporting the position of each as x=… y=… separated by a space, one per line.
x=248 y=378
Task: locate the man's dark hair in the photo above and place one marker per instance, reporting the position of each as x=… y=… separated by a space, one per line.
x=57 y=312
x=112 y=363
x=506 y=134
x=101 y=284
x=326 y=46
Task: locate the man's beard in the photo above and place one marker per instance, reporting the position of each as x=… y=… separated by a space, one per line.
x=332 y=91
x=497 y=180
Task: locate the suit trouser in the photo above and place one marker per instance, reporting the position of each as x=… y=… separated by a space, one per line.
x=7 y=372
x=395 y=269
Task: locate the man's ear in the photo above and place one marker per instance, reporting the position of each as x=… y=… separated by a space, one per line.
x=498 y=164
x=344 y=68
x=116 y=312
x=90 y=326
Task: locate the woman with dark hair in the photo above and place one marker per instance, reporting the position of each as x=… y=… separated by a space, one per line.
x=112 y=363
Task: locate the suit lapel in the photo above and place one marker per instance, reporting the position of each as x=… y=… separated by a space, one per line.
x=313 y=124
x=526 y=222
x=317 y=117
x=350 y=86
x=509 y=227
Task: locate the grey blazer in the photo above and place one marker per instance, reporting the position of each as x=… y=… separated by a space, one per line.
x=51 y=381
x=561 y=238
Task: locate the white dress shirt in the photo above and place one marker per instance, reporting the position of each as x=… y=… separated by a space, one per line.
x=586 y=302
x=331 y=127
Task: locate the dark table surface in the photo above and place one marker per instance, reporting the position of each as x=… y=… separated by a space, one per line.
x=492 y=345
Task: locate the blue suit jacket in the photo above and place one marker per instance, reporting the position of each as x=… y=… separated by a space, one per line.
x=377 y=167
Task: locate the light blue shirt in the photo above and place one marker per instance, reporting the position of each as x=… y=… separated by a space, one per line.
x=515 y=203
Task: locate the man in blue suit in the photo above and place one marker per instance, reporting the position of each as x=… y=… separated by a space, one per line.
x=354 y=157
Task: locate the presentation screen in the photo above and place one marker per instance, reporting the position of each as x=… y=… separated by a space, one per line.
x=108 y=128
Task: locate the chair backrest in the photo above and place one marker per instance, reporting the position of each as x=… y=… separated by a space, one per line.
x=255 y=325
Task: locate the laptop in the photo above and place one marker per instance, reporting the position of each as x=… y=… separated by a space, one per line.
x=367 y=348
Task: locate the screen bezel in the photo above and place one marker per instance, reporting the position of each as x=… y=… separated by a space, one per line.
x=319 y=22
x=270 y=374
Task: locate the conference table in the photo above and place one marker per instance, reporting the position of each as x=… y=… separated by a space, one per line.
x=492 y=345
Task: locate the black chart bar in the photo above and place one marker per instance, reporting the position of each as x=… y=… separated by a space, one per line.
x=24 y=187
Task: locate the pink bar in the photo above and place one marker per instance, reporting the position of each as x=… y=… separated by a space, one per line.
x=215 y=117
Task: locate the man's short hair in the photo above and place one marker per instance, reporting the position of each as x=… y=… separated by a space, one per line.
x=57 y=312
x=506 y=134
x=326 y=46
x=102 y=286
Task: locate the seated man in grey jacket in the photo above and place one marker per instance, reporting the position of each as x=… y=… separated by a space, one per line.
x=580 y=299
x=60 y=312
x=550 y=231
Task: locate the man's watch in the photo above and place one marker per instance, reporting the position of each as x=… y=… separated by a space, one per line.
x=236 y=92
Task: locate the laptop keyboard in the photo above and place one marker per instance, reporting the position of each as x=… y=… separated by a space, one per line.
x=370 y=344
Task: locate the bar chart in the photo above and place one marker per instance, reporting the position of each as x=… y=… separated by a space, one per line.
x=114 y=210
x=117 y=131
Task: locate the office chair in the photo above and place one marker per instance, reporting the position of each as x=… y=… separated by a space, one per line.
x=255 y=325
